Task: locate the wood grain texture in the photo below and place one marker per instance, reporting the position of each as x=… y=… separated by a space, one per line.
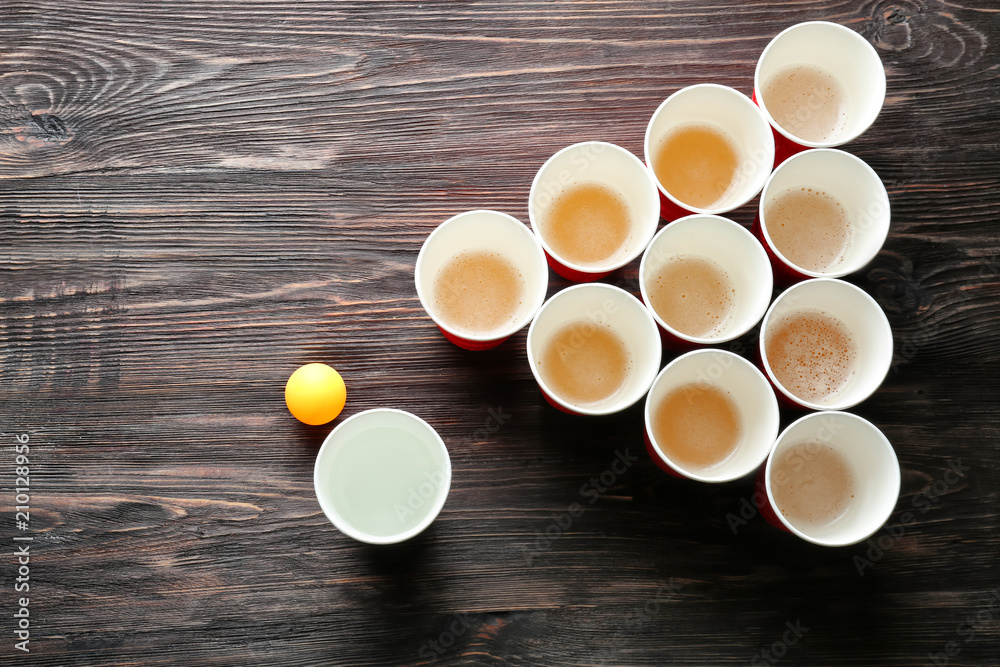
x=198 y=197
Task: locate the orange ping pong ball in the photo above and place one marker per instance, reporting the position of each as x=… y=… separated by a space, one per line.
x=315 y=394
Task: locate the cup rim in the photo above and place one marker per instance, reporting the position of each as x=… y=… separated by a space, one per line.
x=835 y=407
x=840 y=154
x=837 y=414
x=329 y=508
x=703 y=340
x=698 y=477
x=750 y=105
x=604 y=268
x=537 y=297
x=592 y=412
x=767 y=114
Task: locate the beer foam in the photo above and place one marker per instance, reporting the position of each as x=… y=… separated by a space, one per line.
x=585 y=363
x=812 y=485
x=809 y=227
x=587 y=224
x=694 y=295
x=697 y=164
x=697 y=426
x=808 y=102
x=478 y=292
x=812 y=354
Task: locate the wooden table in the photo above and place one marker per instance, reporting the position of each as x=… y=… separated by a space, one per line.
x=199 y=197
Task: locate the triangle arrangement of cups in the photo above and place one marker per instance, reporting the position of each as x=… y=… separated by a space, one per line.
x=711 y=415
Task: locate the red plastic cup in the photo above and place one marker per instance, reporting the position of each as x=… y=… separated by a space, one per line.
x=750 y=391
x=731 y=247
x=604 y=164
x=838 y=51
x=874 y=468
x=490 y=231
x=859 y=314
x=851 y=182
x=604 y=305
x=730 y=112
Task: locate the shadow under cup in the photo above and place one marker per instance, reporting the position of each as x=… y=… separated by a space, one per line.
x=873 y=466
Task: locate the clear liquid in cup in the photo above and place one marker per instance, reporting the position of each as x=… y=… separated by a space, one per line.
x=384 y=481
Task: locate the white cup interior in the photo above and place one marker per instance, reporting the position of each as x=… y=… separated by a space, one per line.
x=872 y=461
x=429 y=495
x=851 y=182
x=730 y=112
x=860 y=314
x=488 y=231
x=730 y=246
x=750 y=391
x=838 y=50
x=615 y=308
x=605 y=164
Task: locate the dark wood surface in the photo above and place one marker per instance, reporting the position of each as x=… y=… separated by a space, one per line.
x=198 y=197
